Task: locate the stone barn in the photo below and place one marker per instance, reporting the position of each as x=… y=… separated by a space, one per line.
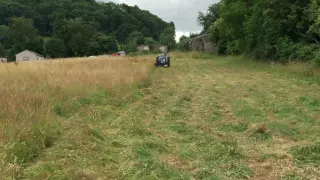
x=202 y=43
x=27 y=55
x=159 y=47
x=143 y=48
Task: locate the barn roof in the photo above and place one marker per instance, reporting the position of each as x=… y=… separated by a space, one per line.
x=31 y=52
x=206 y=37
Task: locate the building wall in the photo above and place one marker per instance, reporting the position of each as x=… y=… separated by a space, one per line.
x=197 y=45
x=143 y=48
x=202 y=44
x=3 y=60
x=27 y=56
x=209 y=47
x=164 y=49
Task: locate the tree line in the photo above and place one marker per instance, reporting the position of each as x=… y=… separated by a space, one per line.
x=280 y=30
x=66 y=28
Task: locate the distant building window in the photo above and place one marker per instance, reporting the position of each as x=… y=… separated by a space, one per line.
x=25 y=58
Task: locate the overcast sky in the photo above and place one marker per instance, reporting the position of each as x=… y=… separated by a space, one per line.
x=183 y=13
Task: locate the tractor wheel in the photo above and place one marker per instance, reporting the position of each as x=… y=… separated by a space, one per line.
x=168 y=62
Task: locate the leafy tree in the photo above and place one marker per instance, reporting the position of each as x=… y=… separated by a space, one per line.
x=75 y=33
x=123 y=32
x=140 y=40
x=108 y=44
x=93 y=48
x=136 y=37
x=149 y=40
x=21 y=30
x=4 y=41
x=266 y=29
x=168 y=37
x=314 y=17
x=209 y=18
x=55 y=48
x=192 y=35
x=22 y=34
x=3 y=32
x=102 y=44
x=183 y=44
x=36 y=44
x=131 y=47
x=182 y=38
x=77 y=44
x=2 y=51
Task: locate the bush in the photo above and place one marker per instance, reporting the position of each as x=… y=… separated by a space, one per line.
x=305 y=52
x=233 y=47
x=316 y=59
x=55 y=48
x=288 y=50
x=221 y=47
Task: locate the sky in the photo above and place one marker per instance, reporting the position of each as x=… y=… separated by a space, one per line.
x=183 y=13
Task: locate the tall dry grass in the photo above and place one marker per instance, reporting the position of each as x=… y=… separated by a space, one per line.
x=28 y=91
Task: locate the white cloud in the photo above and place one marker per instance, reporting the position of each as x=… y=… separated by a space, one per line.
x=183 y=13
x=185 y=33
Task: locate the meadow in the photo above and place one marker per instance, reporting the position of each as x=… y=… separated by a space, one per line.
x=206 y=117
x=37 y=96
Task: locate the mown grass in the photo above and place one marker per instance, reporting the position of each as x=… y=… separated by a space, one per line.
x=206 y=117
x=36 y=97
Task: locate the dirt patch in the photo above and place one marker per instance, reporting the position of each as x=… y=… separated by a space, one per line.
x=179 y=163
x=2 y=136
x=81 y=176
x=271 y=117
x=272 y=161
x=164 y=135
x=207 y=129
x=274 y=168
x=257 y=128
x=282 y=144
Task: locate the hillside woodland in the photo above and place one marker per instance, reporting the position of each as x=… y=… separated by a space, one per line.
x=265 y=29
x=66 y=28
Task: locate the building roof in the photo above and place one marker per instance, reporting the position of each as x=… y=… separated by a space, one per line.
x=142 y=45
x=31 y=52
x=203 y=36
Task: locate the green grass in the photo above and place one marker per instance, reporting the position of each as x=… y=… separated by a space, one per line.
x=199 y=119
x=233 y=127
x=308 y=154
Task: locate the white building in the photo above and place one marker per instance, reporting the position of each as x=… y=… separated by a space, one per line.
x=122 y=53
x=143 y=48
x=3 y=60
x=27 y=55
x=163 y=49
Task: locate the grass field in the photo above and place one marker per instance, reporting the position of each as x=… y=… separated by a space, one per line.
x=205 y=117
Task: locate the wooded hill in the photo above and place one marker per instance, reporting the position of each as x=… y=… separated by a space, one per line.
x=76 y=28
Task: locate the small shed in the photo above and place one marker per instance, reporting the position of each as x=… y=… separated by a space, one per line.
x=159 y=47
x=27 y=55
x=163 y=48
x=122 y=53
x=202 y=43
x=143 y=48
x=3 y=60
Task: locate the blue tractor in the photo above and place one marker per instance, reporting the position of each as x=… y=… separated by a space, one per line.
x=163 y=60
